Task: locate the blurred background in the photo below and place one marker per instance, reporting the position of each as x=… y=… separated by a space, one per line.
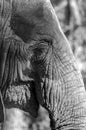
x=72 y=17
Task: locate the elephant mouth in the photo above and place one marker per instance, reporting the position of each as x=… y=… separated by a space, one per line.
x=22 y=96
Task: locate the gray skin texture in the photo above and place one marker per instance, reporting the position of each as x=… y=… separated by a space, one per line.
x=37 y=66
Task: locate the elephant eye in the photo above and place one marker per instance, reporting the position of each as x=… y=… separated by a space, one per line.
x=41 y=49
x=38 y=53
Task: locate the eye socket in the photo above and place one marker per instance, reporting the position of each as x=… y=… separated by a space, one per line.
x=41 y=53
x=38 y=52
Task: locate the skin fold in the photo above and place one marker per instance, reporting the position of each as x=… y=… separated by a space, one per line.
x=37 y=66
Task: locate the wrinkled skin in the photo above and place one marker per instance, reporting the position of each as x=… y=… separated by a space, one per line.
x=37 y=66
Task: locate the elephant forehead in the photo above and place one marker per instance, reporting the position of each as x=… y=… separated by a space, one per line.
x=37 y=13
x=27 y=8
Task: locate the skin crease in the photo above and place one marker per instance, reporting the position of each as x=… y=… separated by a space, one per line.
x=39 y=62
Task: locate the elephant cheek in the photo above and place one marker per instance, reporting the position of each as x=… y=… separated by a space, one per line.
x=22 y=97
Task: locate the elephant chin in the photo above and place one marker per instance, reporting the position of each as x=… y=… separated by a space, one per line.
x=22 y=97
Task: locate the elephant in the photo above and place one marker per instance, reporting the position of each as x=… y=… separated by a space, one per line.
x=37 y=65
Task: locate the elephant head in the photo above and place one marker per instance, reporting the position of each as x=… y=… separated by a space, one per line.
x=37 y=66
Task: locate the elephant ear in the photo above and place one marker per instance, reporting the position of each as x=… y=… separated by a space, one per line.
x=2 y=110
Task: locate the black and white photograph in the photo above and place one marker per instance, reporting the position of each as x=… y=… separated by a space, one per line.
x=42 y=64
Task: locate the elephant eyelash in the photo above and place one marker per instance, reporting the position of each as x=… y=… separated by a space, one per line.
x=49 y=41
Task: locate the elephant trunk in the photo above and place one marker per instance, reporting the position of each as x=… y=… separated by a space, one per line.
x=61 y=87
x=67 y=101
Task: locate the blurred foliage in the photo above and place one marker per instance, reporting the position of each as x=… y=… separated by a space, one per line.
x=42 y=122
